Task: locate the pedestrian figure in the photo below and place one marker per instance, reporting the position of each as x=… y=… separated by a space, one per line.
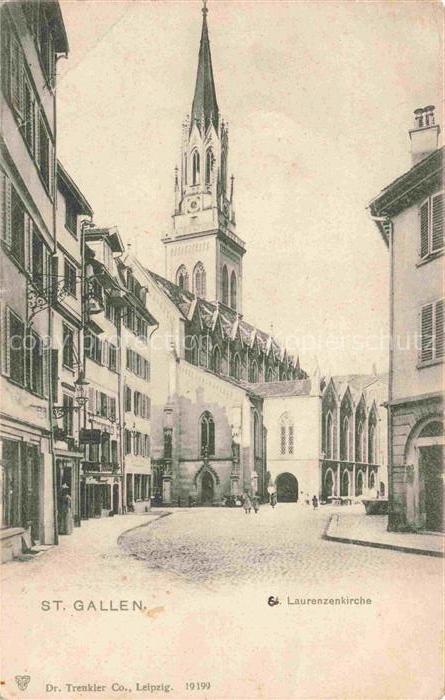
x=315 y=502
x=66 y=516
x=273 y=499
x=256 y=503
x=247 y=504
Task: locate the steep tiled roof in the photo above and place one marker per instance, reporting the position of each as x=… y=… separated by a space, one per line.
x=183 y=300
x=357 y=383
x=295 y=387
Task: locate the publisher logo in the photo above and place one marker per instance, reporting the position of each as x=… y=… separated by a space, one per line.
x=22 y=682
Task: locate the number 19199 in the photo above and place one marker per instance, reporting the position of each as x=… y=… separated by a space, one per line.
x=199 y=685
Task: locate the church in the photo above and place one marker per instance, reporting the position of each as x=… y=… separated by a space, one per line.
x=232 y=411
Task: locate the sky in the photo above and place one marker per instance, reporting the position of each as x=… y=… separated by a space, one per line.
x=319 y=97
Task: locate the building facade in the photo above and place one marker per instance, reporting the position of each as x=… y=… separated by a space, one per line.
x=32 y=37
x=232 y=411
x=409 y=215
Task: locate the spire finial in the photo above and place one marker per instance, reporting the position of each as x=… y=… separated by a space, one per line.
x=204 y=8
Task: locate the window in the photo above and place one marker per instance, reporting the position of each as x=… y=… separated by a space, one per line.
x=345 y=439
x=38 y=260
x=253 y=371
x=17 y=227
x=182 y=279
x=256 y=435
x=127 y=399
x=44 y=154
x=138 y=365
x=68 y=404
x=372 y=451
x=225 y=286
x=29 y=126
x=360 y=451
x=269 y=375
x=207 y=434
x=209 y=166
x=112 y=363
x=431 y=225
x=216 y=360
x=16 y=345
x=329 y=437
x=110 y=312
x=70 y=278
x=70 y=215
x=431 y=330
x=233 y=290
x=36 y=364
x=127 y=440
x=195 y=168
x=194 y=353
x=68 y=346
x=286 y=435
x=93 y=348
x=114 y=456
x=235 y=366
x=199 y=280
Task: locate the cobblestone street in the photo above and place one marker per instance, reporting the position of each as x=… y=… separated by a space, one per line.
x=281 y=545
x=204 y=577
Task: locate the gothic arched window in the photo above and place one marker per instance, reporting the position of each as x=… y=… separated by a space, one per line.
x=225 y=286
x=199 y=280
x=360 y=455
x=345 y=439
x=233 y=290
x=269 y=375
x=253 y=371
x=207 y=427
x=182 y=278
x=216 y=364
x=329 y=436
x=194 y=353
x=256 y=435
x=286 y=435
x=209 y=166
x=235 y=366
x=196 y=167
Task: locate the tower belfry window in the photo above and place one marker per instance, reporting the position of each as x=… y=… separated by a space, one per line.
x=196 y=167
x=209 y=166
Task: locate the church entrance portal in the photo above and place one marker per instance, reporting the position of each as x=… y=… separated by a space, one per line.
x=430 y=469
x=207 y=489
x=287 y=488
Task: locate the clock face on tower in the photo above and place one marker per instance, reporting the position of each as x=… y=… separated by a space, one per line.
x=192 y=205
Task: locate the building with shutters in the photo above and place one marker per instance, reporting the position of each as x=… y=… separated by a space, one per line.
x=32 y=36
x=409 y=216
x=66 y=359
x=136 y=329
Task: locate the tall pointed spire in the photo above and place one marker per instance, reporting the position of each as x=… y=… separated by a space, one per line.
x=204 y=100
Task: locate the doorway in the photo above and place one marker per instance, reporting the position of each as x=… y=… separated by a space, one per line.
x=344 y=487
x=207 y=489
x=287 y=488
x=431 y=478
x=115 y=499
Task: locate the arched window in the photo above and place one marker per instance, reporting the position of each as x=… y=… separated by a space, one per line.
x=225 y=286
x=344 y=485
x=329 y=483
x=196 y=166
x=216 y=364
x=207 y=427
x=182 y=278
x=199 y=280
x=253 y=371
x=233 y=290
x=372 y=444
x=236 y=366
x=345 y=439
x=209 y=166
x=256 y=435
x=359 y=486
x=329 y=437
x=194 y=353
x=360 y=444
x=269 y=375
x=205 y=349
x=286 y=435
x=372 y=480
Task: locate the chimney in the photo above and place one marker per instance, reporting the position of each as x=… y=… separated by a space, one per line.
x=425 y=136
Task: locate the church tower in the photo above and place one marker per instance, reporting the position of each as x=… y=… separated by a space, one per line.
x=203 y=253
